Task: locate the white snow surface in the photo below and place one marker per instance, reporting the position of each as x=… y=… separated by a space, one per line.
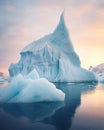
x=53 y=57
x=25 y=90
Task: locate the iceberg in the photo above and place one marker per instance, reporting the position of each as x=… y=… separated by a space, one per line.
x=99 y=72
x=23 y=90
x=53 y=57
x=33 y=75
x=3 y=78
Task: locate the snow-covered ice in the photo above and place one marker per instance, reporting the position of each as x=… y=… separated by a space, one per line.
x=53 y=57
x=25 y=90
x=99 y=71
x=33 y=75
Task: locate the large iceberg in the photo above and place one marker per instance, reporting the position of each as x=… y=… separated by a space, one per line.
x=27 y=90
x=53 y=57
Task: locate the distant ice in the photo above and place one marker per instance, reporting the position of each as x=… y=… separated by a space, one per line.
x=2 y=80
x=99 y=72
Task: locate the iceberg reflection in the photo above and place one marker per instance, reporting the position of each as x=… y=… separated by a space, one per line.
x=45 y=115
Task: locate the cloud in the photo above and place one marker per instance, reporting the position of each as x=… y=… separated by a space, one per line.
x=9 y=7
x=99 y=7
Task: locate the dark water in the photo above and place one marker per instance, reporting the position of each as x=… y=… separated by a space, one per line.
x=83 y=109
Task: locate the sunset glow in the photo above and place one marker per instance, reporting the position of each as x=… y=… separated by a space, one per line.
x=22 y=22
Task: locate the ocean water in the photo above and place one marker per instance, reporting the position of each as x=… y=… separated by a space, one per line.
x=83 y=109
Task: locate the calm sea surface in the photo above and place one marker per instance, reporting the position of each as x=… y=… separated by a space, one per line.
x=83 y=109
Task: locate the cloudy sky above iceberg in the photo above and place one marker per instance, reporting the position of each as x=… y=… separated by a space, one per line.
x=23 y=21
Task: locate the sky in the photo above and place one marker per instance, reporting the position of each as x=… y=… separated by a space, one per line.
x=24 y=21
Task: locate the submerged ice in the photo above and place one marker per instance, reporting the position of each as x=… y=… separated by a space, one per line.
x=53 y=57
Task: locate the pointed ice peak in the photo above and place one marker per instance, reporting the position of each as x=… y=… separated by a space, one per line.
x=62 y=18
x=59 y=38
x=61 y=27
x=62 y=21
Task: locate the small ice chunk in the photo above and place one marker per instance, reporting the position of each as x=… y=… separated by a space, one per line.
x=25 y=90
x=33 y=75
